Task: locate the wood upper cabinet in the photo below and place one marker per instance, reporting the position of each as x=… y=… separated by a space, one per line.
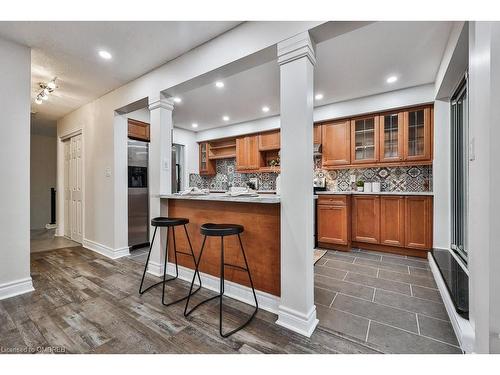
x=392 y=220
x=269 y=141
x=366 y=218
x=333 y=224
x=364 y=140
x=391 y=141
x=207 y=167
x=335 y=138
x=417 y=134
x=317 y=134
x=138 y=130
x=247 y=153
x=418 y=222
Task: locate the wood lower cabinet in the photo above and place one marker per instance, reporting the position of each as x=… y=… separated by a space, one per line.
x=392 y=220
x=336 y=142
x=333 y=224
x=247 y=153
x=418 y=218
x=366 y=218
x=390 y=223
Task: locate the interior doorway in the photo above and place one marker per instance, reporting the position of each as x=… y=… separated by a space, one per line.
x=73 y=188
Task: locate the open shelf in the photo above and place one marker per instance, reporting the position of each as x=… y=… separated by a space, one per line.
x=222 y=149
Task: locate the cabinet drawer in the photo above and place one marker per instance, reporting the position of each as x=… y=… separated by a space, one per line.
x=332 y=200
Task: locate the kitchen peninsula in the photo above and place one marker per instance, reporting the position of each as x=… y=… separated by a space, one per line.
x=260 y=216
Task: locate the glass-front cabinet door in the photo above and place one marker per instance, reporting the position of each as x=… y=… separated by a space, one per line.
x=364 y=140
x=391 y=136
x=418 y=134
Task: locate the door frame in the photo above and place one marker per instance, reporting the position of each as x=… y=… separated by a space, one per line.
x=61 y=220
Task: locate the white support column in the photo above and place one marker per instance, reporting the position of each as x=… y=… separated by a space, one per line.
x=296 y=58
x=160 y=153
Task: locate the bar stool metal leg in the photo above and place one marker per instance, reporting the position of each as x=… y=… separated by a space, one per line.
x=146 y=266
x=221 y=288
x=253 y=291
x=177 y=270
x=165 y=280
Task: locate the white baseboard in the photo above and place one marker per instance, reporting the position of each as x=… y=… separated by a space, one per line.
x=304 y=324
x=462 y=327
x=155 y=269
x=15 y=288
x=105 y=250
x=239 y=292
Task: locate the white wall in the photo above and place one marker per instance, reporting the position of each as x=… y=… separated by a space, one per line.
x=42 y=178
x=441 y=175
x=96 y=118
x=15 y=168
x=374 y=103
x=484 y=201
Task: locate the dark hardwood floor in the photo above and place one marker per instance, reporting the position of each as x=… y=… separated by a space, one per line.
x=86 y=303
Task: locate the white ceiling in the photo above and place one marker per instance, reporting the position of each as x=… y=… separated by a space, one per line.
x=351 y=65
x=68 y=50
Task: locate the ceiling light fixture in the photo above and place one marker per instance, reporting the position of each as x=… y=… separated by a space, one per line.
x=47 y=88
x=177 y=99
x=194 y=125
x=392 y=79
x=225 y=118
x=319 y=96
x=219 y=84
x=105 y=55
x=265 y=109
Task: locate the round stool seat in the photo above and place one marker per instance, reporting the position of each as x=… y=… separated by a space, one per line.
x=210 y=229
x=168 y=221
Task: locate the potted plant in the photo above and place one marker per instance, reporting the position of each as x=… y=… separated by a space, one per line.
x=360 y=184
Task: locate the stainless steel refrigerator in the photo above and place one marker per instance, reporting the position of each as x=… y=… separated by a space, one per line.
x=138 y=196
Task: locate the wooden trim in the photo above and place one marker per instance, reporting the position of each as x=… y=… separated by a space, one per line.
x=332 y=246
x=390 y=249
x=380 y=164
x=367 y=114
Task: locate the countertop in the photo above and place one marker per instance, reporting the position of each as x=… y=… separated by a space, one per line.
x=428 y=193
x=221 y=197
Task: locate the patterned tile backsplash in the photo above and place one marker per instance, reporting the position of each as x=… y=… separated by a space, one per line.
x=227 y=176
x=417 y=178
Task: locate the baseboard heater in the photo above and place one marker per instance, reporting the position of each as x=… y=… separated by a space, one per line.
x=455 y=278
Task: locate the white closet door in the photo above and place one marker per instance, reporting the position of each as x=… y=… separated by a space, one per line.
x=67 y=189
x=76 y=177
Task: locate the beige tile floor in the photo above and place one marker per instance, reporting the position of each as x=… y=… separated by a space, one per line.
x=386 y=300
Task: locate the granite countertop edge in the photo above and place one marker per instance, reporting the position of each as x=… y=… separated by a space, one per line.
x=220 y=197
x=425 y=193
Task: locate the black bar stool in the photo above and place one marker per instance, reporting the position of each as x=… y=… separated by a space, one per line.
x=222 y=230
x=169 y=223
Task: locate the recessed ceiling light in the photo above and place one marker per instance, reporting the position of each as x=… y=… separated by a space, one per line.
x=194 y=125
x=219 y=84
x=105 y=55
x=392 y=79
x=265 y=109
x=177 y=99
x=318 y=96
x=225 y=118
